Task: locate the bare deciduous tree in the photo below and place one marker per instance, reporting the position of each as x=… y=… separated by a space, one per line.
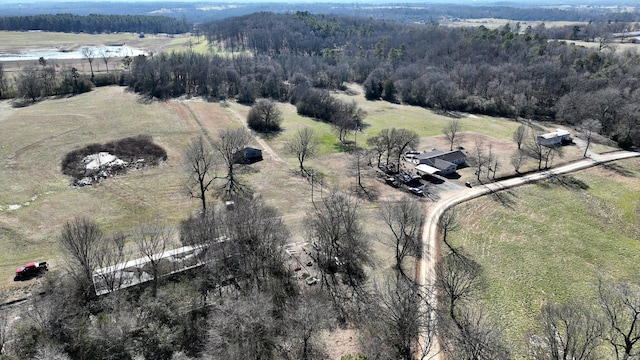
x=620 y=303
x=458 y=278
x=152 y=241
x=480 y=158
x=303 y=145
x=492 y=163
x=112 y=254
x=309 y=316
x=243 y=328
x=540 y=153
x=401 y=324
x=106 y=57
x=452 y=131
x=201 y=167
x=257 y=234
x=81 y=241
x=402 y=140
x=381 y=145
x=569 y=331
x=228 y=144
x=341 y=247
x=590 y=128
x=89 y=54
x=347 y=117
x=356 y=159
x=404 y=219
x=517 y=159
x=448 y=223
x=473 y=335
x=520 y=135
x=29 y=84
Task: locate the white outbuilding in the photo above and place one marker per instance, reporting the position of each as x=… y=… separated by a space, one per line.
x=557 y=137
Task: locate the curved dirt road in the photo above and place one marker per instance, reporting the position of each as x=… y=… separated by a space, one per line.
x=430 y=235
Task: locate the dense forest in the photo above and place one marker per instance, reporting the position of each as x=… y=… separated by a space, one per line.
x=95 y=23
x=511 y=71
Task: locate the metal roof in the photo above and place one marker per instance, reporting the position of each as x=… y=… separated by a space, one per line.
x=426 y=169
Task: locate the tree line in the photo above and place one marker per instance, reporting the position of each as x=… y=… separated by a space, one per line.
x=96 y=23
x=511 y=71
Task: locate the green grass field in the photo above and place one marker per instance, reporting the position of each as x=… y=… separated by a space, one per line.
x=550 y=242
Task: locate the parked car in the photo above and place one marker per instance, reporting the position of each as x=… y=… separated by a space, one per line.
x=389 y=169
x=416 y=191
x=468 y=184
x=31 y=270
x=392 y=181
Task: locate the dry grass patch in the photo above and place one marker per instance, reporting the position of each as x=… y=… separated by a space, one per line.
x=41 y=136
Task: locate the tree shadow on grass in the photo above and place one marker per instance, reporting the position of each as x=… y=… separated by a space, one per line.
x=21 y=103
x=506 y=198
x=567 y=181
x=618 y=169
x=366 y=193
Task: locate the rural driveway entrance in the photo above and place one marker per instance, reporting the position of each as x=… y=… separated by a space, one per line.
x=426 y=268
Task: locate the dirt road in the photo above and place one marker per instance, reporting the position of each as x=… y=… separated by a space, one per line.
x=430 y=232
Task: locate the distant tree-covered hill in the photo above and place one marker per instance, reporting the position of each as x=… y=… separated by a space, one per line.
x=198 y=12
x=96 y=23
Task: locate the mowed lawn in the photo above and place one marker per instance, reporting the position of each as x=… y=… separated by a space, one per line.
x=550 y=241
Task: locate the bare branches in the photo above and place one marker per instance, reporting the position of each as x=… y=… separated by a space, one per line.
x=303 y=145
x=520 y=135
x=447 y=223
x=452 y=131
x=404 y=219
x=342 y=249
x=473 y=335
x=80 y=241
x=152 y=241
x=228 y=146
x=569 y=331
x=106 y=57
x=458 y=278
x=620 y=303
x=201 y=168
x=112 y=254
x=400 y=320
x=590 y=129
x=480 y=159
x=404 y=139
x=89 y=54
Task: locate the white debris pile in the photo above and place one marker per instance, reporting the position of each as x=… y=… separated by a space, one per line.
x=104 y=164
x=102 y=160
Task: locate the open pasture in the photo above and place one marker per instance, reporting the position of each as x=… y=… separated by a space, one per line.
x=36 y=199
x=550 y=241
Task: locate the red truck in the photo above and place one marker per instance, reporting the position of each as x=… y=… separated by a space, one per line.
x=30 y=270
